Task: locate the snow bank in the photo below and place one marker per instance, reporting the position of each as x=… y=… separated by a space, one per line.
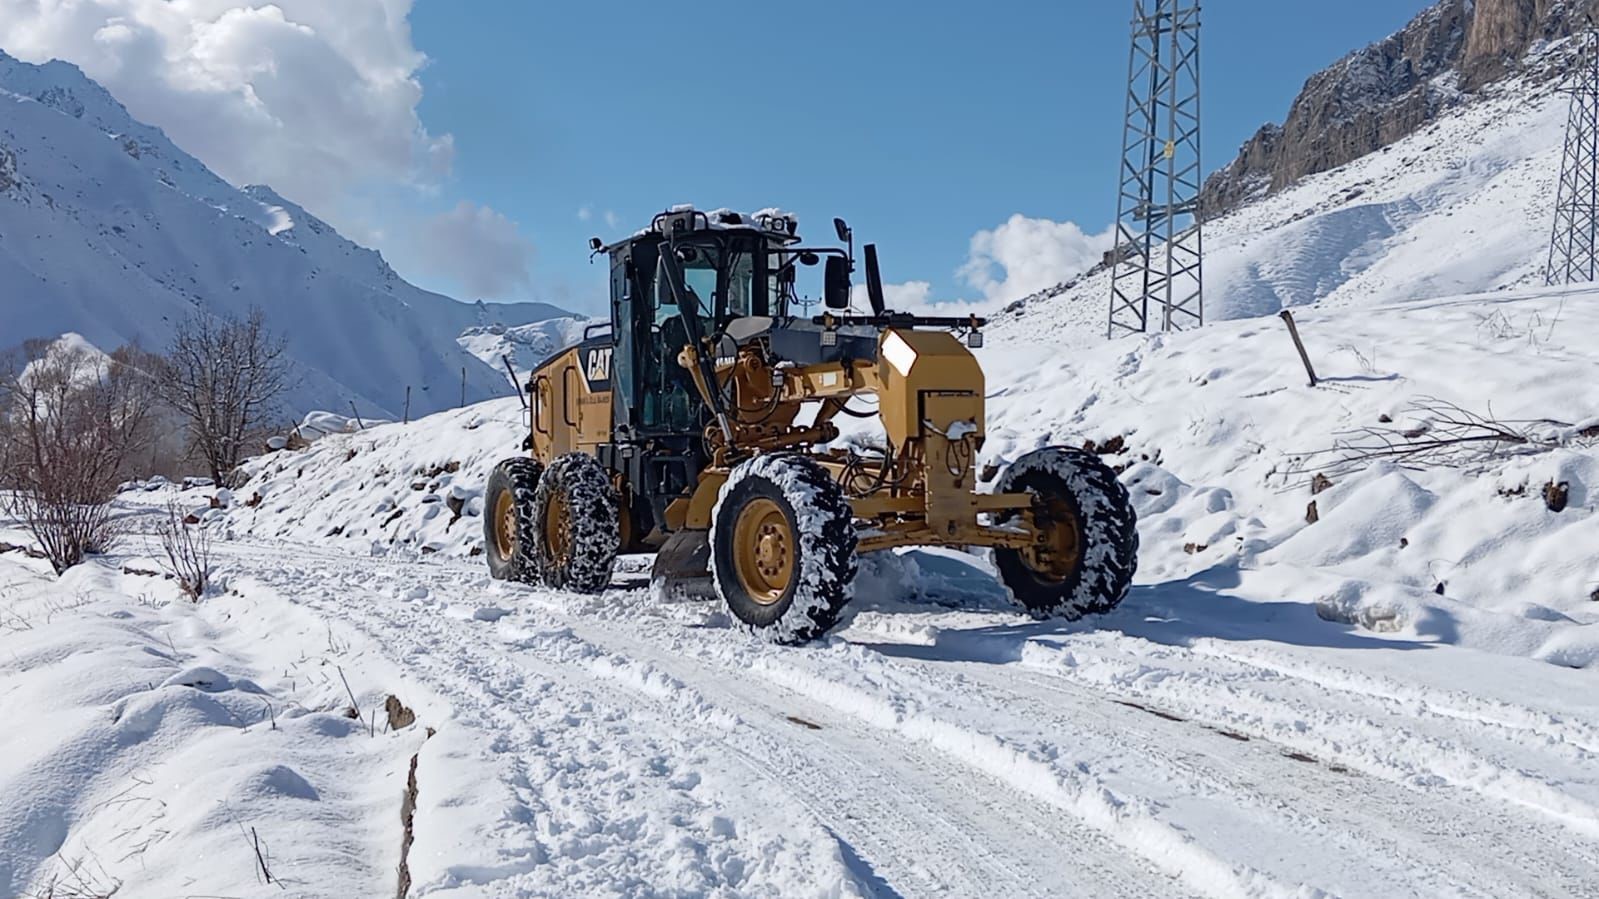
x=1220 y=435
x=154 y=744
x=389 y=487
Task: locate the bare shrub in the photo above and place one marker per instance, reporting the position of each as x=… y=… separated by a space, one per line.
x=224 y=377
x=71 y=422
x=188 y=551
x=1441 y=434
x=82 y=878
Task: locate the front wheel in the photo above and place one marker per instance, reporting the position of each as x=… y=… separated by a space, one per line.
x=1086 y=551
x=575 y=517
x=783 y=548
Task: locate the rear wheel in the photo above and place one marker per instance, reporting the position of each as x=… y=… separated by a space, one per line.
x=577 y=533
x=783 y=548
x=508 y=529
x=1083 y=560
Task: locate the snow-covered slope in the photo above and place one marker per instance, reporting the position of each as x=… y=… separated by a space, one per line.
x=525 y=345
x=1464 y=205
x=1221 y=438
x=1389 y=700
x=109 y=230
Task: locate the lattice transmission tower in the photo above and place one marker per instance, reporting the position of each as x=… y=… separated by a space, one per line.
x=1157 y=282
x=1574 y=246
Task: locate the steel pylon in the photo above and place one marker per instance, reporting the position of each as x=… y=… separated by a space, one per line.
x=1574 y=245
x=1157 y=277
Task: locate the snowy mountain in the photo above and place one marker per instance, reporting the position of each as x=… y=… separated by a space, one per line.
x=525 y=345
x=109 y=230
x=1462 y=203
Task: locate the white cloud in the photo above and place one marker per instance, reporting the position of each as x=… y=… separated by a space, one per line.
x=585 y=213
x=313 y=97
x=907 y=297
x=478 y=248
x=1025 y=255
x=611 y=220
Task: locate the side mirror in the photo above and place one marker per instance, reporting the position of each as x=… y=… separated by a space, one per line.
x=835 y=292
x=841 y=229
x=596 y=244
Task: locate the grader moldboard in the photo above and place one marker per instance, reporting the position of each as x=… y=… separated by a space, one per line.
x=700 y=425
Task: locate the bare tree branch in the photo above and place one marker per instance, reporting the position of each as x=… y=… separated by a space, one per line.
x=71 y=422
x=1442 y=434
x=224 y=377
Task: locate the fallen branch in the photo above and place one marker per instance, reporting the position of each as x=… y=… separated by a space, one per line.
x=1444 y=435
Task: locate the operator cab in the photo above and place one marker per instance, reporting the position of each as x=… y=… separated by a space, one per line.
x=734 y=266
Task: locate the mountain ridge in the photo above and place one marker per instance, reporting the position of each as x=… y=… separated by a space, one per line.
x=108 y=229
x=1390 y=89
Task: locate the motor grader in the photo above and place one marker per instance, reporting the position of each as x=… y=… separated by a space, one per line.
x=701 y=424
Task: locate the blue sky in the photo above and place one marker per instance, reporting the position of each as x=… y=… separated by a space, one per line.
x=922 y=123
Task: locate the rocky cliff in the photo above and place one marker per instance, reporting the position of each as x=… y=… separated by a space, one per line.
x=1389 y=90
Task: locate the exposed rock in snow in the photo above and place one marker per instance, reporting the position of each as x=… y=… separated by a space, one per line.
x=1383 y=93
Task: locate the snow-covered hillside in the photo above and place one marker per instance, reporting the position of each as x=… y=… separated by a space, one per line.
x=526 y=345
x=1464 y=205
x=109 y=230
x=1394 y=692
x=1220 y=435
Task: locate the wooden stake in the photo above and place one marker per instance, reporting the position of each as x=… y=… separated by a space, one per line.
x=463 y=386
x=1293 y=331
x=407 y=418
x=358 y=423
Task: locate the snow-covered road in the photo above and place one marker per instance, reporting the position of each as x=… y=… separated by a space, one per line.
x=1194 y=743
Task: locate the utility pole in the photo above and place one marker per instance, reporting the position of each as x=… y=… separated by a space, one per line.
x=1574 y=245
x=1157 y=276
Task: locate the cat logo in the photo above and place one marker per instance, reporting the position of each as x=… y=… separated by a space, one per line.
x=597 y=368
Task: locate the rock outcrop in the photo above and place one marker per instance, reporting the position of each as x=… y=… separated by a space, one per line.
x=1389 y=90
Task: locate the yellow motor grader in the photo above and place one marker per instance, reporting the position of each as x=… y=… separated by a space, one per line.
x=701 y=425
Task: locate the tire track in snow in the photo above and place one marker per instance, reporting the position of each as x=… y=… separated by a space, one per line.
x=965 y=847
x=1465 y=847
x=674 y=668
x=1348 y=727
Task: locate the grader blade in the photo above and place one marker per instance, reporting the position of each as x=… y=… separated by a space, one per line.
x=682 y=568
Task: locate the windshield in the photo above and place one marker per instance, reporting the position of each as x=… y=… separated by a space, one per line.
x=723 y=275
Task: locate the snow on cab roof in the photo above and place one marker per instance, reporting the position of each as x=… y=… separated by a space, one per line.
x=771 y=220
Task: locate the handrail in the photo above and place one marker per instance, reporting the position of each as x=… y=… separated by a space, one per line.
x=538 y=403
x=566 y=395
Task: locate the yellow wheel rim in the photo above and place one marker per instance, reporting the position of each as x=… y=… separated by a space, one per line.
x=763 y=551
x=505 y=524
x=557 y=528
x=1053 y=555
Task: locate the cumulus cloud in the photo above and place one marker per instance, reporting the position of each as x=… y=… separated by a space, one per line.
x=311 y=96
x=480 y=249
x=1025 y=255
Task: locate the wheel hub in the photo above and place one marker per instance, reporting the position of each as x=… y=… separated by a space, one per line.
x=764 y=551
x=557 y=528
x=1053 y=556
x=505 y=524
